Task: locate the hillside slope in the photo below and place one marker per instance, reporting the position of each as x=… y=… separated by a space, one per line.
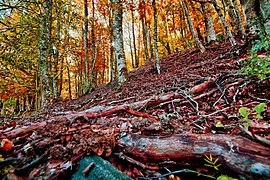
x=195 y=93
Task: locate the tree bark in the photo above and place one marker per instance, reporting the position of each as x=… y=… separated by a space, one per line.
x=118 y=41
x=243 y=156
x=192 y=29
x=150 y=41
x=135 y=63
x=146 y=55
x=239 y=17
x=228 y=31
x=93 y=47
x=233 y=17
x=210 y=30
x=86 y=47
x=254 y=16
x=155 y=36
x=45 y=49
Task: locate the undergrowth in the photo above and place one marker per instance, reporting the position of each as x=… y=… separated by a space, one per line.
x=258 y=64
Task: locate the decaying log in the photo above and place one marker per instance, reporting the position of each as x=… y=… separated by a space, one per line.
x=241 y=155
x=99 y=111
x=24 y=130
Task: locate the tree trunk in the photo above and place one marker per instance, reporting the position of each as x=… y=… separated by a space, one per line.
x=192 y=29
x=69 y=81
x=86 y=47
x=155 y=36
x=112 y=70
x=136 y=62
x=183 y=27
x=254 y=16
x=118 y=41
x=210 y=30
x=228 y=31
x=93 y=70
x=233 y=17
x=150 y=41
x=45 y=53
x=56 y=56
x=146 y=55
x=239 y=17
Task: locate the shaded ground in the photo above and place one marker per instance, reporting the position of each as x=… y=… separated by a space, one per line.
x=48 y=149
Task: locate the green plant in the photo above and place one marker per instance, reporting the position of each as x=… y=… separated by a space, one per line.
x=259 y=109
x=258 y=65
x=220 y=37
x=210 y=162
x=244 y=112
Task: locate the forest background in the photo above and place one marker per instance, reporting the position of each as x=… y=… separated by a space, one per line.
x=62 y=49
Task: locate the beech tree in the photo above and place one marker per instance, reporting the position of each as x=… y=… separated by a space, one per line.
x=225 y=24
x=192 y=29
x=86 y=46
x=210 y=30
x=254 y=14
x=45 y=50
x=81 y=43
x=118 y=41
x=155 y=36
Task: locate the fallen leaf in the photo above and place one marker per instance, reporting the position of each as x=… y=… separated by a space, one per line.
x=6 y=145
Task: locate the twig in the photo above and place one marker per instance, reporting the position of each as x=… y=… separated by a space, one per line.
x=259 y=99
x=87 y=170
x=140 y=114
x=25 y=169
x=122 y=100
x=218 y=111
x=137 y=163
x=223 y=93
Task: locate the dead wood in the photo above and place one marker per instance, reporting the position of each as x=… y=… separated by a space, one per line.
x=100 y=111
x=24 y=130
x=200 y=87
x=245 y=157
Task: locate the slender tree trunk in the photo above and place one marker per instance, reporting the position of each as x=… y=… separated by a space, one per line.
x=69 y=81
x=56 y=56
x=183 y=27
x=228 y=31
x=192 y=29
x=45 y=53
x=232 y=14
x=155 y=36
x=112 y=56
x=131 y=50
x=86 y=47
x=136 y=62
x=210 y=30
x=196 y=19
x=239 y=17
x=118 y=41
x=166 y=43
x=174 y=30
x=150 y=41
x=93 y=70
x=145 y=40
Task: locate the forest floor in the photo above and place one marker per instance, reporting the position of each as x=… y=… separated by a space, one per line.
x=196 y=93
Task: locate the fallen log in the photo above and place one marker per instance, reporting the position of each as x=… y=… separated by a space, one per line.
x=243 y=156
x=23 y=130
x=100 y=111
